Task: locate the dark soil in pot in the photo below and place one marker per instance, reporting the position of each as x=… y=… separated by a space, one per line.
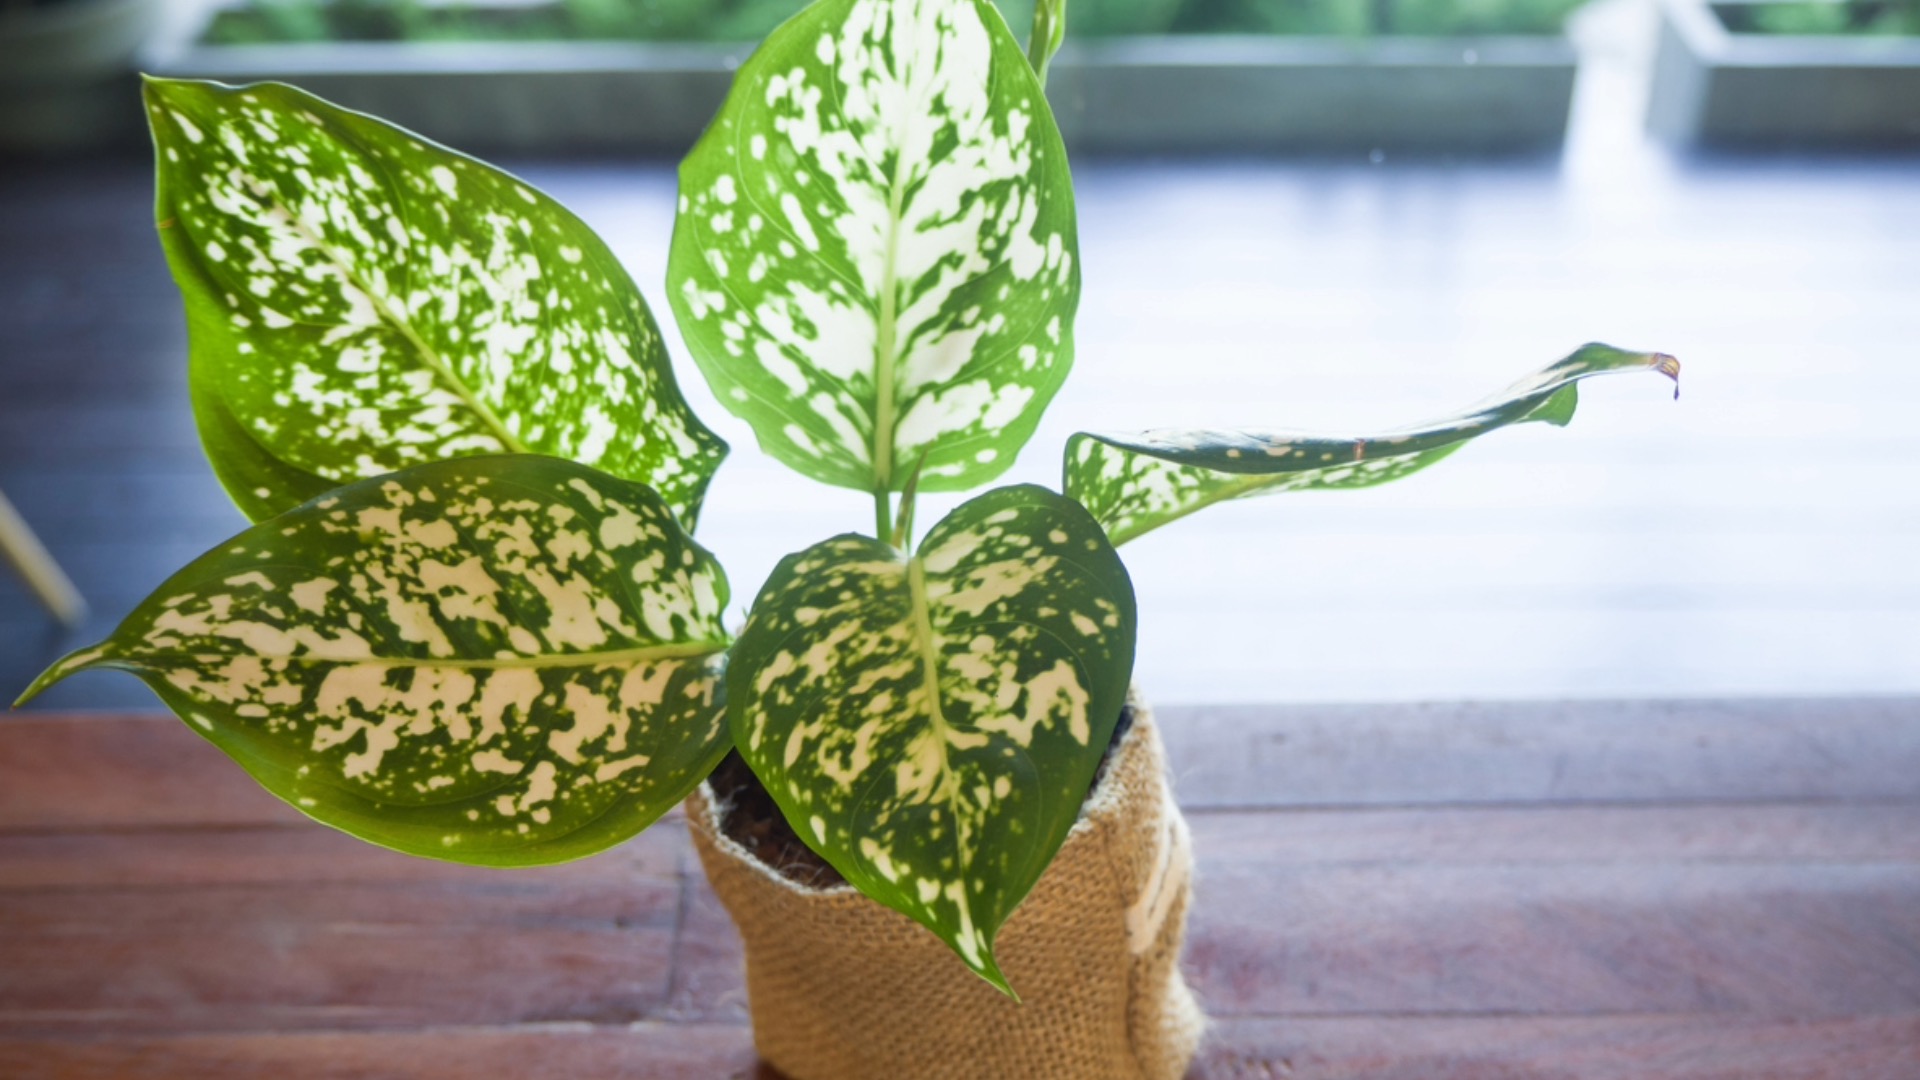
x=753 y=820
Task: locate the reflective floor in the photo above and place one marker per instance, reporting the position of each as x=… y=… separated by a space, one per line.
x=1757 y=537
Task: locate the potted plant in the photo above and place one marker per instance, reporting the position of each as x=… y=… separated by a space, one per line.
x=472 y=623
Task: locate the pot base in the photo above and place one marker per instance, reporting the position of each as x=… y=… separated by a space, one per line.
x=842 y=988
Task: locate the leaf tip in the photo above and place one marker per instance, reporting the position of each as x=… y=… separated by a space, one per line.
x=159 y=88
x=989 y=969
x=1668 y=365
x=176 y=95
x=60 y=669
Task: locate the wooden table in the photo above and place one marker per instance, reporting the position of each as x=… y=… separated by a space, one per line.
x=1632 y=891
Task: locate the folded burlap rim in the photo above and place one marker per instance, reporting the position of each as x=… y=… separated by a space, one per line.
x=841 y=988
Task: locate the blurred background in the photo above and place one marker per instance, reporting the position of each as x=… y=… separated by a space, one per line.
x=1334 y=215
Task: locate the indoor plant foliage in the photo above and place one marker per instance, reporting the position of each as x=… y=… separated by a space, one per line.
x=471 y=622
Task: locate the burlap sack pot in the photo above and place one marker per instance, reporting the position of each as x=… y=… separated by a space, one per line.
x=844 y=989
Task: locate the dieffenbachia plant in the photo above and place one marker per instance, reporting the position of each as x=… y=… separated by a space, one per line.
x=470 y=621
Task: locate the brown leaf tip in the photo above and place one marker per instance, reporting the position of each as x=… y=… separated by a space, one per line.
x=1670 y=367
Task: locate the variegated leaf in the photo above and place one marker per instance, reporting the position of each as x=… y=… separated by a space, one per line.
x=875 y=255
x=930 y=724
x=360 y=300
x=1137 y=482
x=499 y=660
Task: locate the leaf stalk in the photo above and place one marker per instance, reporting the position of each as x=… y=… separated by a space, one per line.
x=1049 y=31
x=883 y=515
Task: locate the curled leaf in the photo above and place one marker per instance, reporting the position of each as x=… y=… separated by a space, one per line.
x=1133 y=483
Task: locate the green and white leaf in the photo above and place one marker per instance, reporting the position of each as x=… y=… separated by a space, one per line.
x=875 y=255
x=931 y=724
x=360 y=300
x=1134 y=483
x=497 y=660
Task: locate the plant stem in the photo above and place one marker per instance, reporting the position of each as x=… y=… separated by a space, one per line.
x=1049 y=29
x=883 y=515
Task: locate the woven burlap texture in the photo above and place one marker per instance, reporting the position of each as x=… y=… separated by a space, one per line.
x=844 y=989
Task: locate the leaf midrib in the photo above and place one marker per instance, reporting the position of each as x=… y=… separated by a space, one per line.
x=936 y=716
x=428 y=355
x=929 y=654
x=1424 y=439
x=884 y=346
x=609 y=658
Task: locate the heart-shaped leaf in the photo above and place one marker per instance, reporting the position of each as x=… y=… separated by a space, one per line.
x=931 y=724
x=359 y=300
x=875 y=255
x=1134 y=483
x=498 y=660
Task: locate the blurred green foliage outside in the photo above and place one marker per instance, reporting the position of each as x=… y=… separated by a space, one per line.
x=749 y=20
x=1878 y=18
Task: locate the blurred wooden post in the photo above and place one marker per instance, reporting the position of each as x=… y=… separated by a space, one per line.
x=37 y=568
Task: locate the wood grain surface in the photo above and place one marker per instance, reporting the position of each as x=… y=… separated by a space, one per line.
x=1590 y=891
